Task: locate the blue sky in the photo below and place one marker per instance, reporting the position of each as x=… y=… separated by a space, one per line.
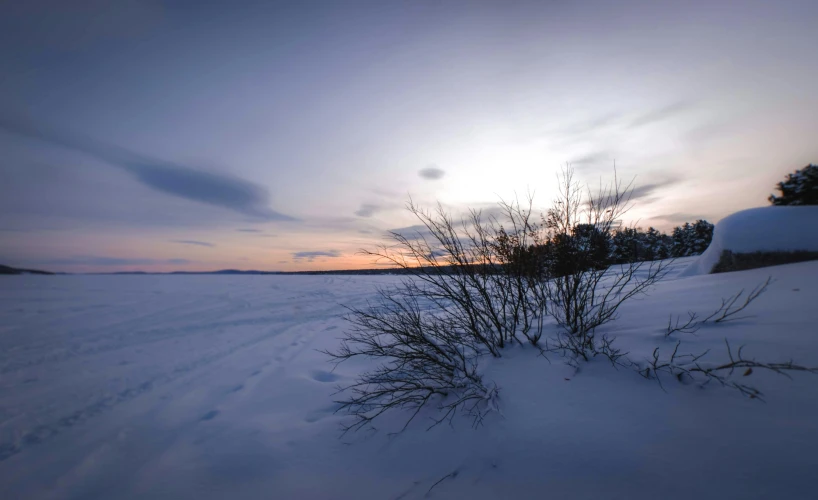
x=288 y=135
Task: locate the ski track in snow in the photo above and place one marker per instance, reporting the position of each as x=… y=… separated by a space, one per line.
x=143 y=322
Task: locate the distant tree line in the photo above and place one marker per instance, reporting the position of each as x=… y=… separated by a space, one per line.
x=586 y=247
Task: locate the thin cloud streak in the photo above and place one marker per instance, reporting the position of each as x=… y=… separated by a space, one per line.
x=590 y=159
x=661 y=114
x=645 y=192
x=678 y=217
x=233 y=193
x=416 y=232
x=368 y=210
x=194 y=242
x=311 y=256
x=589 y=126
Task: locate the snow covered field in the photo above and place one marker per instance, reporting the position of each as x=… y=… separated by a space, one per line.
x=211 y=387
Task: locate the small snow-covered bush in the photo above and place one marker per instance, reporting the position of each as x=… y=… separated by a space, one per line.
x=799 y=188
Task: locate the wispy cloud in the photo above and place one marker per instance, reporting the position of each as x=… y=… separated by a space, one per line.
x=646 y=190
x=193 y=242
x=311 y=256
x=368 y=210
x=432 y=173
x=248 y=230
x=591 y=159
x=589 y=126
x=679 y=217
x=236 y=194
x=415 y=232
x=661 y=114
x=233 y=193
x=645 y=193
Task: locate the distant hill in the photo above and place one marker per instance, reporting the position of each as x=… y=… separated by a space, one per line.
x=256 y=272
x=13 y=270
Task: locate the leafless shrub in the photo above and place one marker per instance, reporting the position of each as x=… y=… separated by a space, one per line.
x=726 y=312
x=584 y=291
x=426 y=359
x=463 y=270
x=690 y=367
x=728 y=309
x=478 y=285
x=463 y=299
x=690 y=326
x=569 y=347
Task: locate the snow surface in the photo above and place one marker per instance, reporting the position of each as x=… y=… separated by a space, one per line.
x=211 y=387
x=764 y=229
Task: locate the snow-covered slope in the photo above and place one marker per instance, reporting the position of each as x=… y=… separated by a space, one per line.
x=764 y=229
x=168 y=387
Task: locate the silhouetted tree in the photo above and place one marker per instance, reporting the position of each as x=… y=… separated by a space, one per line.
x=691 y=239
x=799 y=188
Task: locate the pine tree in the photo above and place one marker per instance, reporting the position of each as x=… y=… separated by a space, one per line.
x=700 y=237
x=655 y=245
x=799 y=188
x=625 y=246
x=680 y=246
x=691 y=239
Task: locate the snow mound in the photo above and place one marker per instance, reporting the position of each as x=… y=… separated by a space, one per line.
x=764 y=229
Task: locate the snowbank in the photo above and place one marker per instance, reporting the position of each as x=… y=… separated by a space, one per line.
x=765 y=229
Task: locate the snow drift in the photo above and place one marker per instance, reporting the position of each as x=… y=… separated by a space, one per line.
x=764 y=229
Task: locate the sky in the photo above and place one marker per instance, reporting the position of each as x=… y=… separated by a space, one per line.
x=157 y=136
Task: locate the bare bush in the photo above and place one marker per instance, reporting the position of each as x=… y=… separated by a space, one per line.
x=476 y=286
x=424 y=356
x=584 y=290
x=726 y=311
x=692 y=324
x=463 y=299
x=691 y=367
